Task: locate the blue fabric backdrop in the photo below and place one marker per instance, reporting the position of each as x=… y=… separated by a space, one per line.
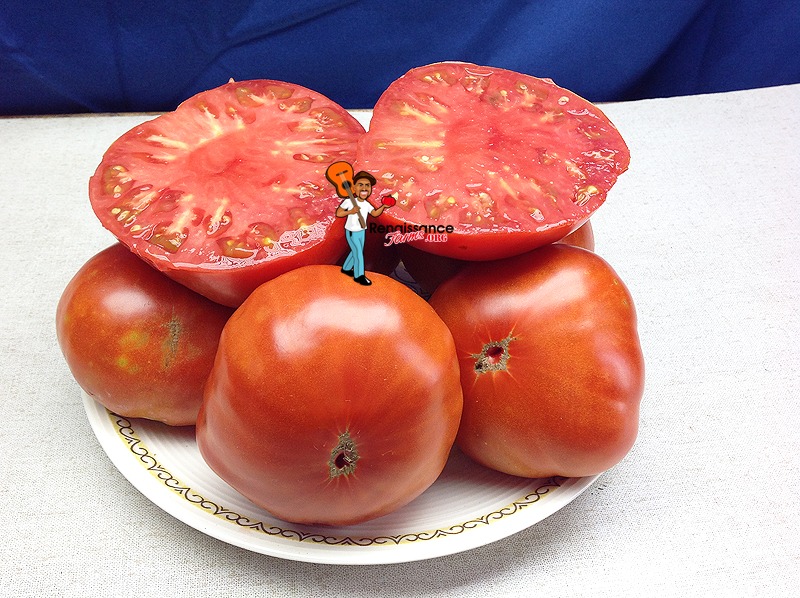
x=113 y=55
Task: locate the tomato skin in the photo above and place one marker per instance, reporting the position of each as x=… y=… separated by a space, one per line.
x=430 y=270
x=566 y=401
x=312 y=358
x=229 y=189
x=511 y=162
x=139 y=343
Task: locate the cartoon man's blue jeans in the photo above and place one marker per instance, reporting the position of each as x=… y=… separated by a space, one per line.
x=355 y=261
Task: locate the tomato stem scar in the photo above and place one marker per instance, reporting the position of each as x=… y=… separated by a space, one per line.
x=343 y=456
x=494 y=356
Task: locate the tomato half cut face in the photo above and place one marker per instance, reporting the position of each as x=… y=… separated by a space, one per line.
x=229 y=190
x=510 y=161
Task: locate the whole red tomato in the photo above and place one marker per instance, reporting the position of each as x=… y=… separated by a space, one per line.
x=139 y=343
x=229 y=190
x=330 y=402
x=551 y=365
x=430 y=270
x=511 y=162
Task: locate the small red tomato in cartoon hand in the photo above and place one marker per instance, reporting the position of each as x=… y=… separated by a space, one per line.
x=388 y=200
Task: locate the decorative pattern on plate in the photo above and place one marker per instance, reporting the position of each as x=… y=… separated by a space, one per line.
x=124 y=428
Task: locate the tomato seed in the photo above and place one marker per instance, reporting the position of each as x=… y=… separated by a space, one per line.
x=116 y=180
x=585 y=194
x=235 y=247
x=168 y=239
x=297 y=105
x=475 y=84
x=278 y=92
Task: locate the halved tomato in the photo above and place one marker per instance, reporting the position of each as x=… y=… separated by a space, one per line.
x=229 y=190
x=510 y=161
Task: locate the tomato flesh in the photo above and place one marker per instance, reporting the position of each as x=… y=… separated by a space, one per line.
x=229 y=189
x=510 y=161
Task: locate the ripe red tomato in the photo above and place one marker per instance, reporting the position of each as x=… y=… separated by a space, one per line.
x=512 y=162
x=229 y=190
x=330 y=402
x=430 y=270
x=139 y=343
x=551 y=365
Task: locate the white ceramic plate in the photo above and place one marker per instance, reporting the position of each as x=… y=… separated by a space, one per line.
x=467 y=507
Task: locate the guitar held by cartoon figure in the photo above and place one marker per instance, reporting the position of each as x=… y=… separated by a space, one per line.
x=340 y=174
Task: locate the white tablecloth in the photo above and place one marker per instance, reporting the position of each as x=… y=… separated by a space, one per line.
x=703 y=228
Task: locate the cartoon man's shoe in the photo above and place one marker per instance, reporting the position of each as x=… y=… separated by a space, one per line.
x=348 y=272
x=363 y=280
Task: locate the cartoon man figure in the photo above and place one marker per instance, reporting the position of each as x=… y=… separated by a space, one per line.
x=356 y=211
